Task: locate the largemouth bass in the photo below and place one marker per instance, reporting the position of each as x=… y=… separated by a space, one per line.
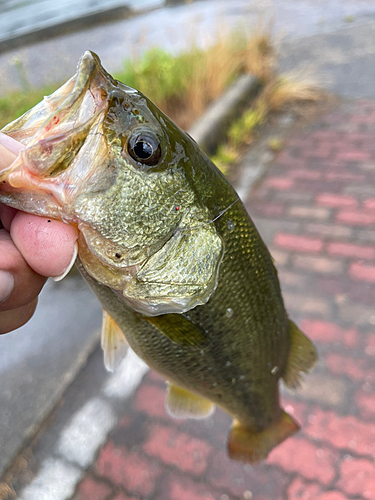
x=169 y=250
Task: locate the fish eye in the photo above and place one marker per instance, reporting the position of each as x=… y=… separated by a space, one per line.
x=144 y=148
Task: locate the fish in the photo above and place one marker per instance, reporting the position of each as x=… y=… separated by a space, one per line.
x=168 y=248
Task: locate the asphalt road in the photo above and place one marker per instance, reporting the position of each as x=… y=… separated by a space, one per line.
x=175 y=28
x=39 y=360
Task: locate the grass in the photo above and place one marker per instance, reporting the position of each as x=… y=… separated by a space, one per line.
x=279 y=92
x=182 y=86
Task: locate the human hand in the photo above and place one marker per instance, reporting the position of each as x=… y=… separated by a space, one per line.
x=31 y=249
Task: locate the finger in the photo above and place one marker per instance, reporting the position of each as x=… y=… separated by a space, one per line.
x=19 y=284
x=15 y=318
x=6 y=216
x=46 y=244
x=10 y=144
x=7 y=157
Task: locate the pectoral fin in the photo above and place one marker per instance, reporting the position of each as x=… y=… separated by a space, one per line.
x=246 y=445
x=302 y=357
x=114 y=343
x=181 y=403
x=179 y=330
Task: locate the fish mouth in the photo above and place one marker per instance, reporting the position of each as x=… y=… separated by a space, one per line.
x=65 y=154
x=53 y=134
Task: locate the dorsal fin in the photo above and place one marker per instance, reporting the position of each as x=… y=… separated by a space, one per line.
x=302 y=357
x=114 y=343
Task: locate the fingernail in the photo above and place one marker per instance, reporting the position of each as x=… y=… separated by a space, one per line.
x=71 y=264
x=6 y=285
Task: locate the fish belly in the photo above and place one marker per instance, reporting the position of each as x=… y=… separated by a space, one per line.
x=245 y=324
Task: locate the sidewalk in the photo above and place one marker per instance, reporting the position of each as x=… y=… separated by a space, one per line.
x=30 y=21
x=316 y=211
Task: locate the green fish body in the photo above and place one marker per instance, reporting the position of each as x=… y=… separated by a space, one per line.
x=169 y=250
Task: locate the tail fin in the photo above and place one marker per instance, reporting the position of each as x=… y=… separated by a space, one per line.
x=248 y=446
x=302 y=357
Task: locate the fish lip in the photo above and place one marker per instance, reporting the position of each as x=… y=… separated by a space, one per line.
x=90 y=77
x=43 y=126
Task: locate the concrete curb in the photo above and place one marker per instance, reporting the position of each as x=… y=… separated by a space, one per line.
x=64 y=27
x=210 y=129
x=69 y=25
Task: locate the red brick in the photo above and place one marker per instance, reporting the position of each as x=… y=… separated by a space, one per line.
x=336 y=200
x=362 y=272
x=291 y=279
x=326 y=136
x=91 y=489
x=319 y=213
x=355 y=217
x=354 y=156
x=358 y=478
x=121 y=496
x=347 y=433
x=345 y=365
x=370 y=344
x=324 y=332
x=344 y=176
x=178 y=449
x=298 y=243
x=318 y=264
x=304 y=174
x=124 y=421
x=369 y=204
x=330 y=230
x=295 y=409
x=279 y=183
x=365 y=403
x=308 y=304
x=151 y=399
x=234 y=477
x=300 y=490
x=270 y=209
x=127 y=469
x=303 y=457
x=351 y=250
x=280 y=258
x=332 y=495
x=182 y=488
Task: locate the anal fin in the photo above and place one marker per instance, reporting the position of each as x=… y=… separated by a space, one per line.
x=302 y=357
x=246 y=445
x=114 y=343
x=181 y=403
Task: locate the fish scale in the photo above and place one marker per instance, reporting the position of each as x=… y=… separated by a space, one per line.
x=169 y=250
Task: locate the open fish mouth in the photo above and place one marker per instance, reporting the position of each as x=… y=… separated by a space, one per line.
x=63 y=142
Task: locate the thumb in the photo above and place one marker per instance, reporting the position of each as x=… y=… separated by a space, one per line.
x=47 y=245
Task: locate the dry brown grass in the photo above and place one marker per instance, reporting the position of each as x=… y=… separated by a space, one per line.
x=184 y=85
x=280 y=92
x=292 y=89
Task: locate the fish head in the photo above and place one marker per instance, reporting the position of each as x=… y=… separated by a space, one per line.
x=99 y=155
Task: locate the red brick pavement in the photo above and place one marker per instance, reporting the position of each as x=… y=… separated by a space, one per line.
x=316 y=207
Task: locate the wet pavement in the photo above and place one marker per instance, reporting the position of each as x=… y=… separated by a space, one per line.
x=32 y=20
x=111 y=439
x=175 y=28
x=38 y=361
